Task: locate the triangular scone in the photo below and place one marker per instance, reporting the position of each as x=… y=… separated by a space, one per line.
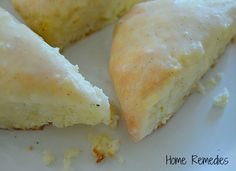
x=160 y=49
x=62 y=22
x=39 y=86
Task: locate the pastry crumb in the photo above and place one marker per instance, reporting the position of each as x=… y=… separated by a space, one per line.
x=200 y=88
x=212 y=82
x=233 y=40
x=103 y=146
x=114 y=116
x=69 y=155
x=222 y=99
x=30 y=147
x=76 y=67
x=48 y=157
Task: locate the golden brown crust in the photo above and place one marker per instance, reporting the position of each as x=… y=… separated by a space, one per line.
x=137 y=82
x=99 y=154
x=38 y=128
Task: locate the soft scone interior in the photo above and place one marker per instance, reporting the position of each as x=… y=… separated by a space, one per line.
x=160 y=49
x=39 y=86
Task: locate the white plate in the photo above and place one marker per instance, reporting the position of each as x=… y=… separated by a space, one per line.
x=196 y=129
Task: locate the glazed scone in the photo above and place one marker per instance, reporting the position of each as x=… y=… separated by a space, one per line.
x=160 y=49
x=39 y=86
x=62 y=22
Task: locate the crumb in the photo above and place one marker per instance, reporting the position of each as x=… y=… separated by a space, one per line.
x=233 y=40
x=70 y=154
x=103 y=146
x=30 y=147
x=37 y=142
x=201 y=88
x=121 y=160
x=48 y=157
x=114 y=116
x=100 y=156
x=212 y=82
x=76 y=67
x=213 y=65
x=222 y=99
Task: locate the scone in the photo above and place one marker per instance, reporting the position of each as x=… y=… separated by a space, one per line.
x=160 y=49
x=61 y=22
x=39 y=86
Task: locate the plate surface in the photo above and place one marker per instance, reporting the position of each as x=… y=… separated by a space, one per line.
x=196 y=129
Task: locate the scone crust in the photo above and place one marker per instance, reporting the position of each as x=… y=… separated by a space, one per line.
x=157 y=43
x=63 y=22
x=39 y=86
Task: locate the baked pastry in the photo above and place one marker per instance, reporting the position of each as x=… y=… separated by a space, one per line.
x=39 y=86
x=160 y=49
x=62 y=22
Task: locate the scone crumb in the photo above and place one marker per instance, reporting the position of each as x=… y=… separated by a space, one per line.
x=103 y=146
x=48 y=157
x=200 y=88
x=222 y=99
x=233 y=40
x=69 y=155
x=114 y=116
x=76 y=67
x=100 y=156
x=30 y=147
x=213 y=81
